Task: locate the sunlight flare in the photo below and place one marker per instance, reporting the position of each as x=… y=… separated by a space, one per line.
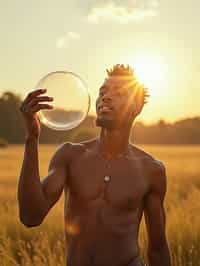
x=150 y=71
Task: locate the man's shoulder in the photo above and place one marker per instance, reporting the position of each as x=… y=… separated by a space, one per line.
x=140 y=153
x=151 y=161
x=71 y=149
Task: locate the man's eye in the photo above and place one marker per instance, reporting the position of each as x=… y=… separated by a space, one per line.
x=101 y=94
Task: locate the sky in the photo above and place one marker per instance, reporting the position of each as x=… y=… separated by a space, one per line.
x=160 y=39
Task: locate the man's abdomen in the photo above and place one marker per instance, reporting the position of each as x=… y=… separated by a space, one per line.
x=102 y=250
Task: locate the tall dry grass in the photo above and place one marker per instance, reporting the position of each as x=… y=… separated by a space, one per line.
x=44 y=245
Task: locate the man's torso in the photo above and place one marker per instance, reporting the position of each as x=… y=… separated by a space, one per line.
x=102 y=215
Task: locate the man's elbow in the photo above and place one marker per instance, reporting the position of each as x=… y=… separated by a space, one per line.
x=30 y=221
x=30 y=224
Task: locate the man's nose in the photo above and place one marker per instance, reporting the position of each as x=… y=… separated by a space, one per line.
x=106 y=97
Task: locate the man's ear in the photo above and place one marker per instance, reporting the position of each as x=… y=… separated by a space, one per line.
x=136 y=110
x=133 y=112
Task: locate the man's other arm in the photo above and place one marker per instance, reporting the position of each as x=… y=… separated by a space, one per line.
x=154 y=212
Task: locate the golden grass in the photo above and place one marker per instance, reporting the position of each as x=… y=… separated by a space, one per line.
x=44 y=245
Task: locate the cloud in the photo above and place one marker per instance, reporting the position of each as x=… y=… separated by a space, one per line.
x=123 y=13
x=64 y=41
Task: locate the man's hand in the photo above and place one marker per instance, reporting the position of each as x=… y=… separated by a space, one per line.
x=158 y=252
x=29 y=107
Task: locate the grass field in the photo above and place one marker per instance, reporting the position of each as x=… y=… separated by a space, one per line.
x=44 y=245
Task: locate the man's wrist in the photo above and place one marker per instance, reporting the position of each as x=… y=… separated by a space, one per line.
x=31 y=138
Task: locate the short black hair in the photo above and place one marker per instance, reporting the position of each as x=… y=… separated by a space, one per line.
x=120 y=70
x=140 y=91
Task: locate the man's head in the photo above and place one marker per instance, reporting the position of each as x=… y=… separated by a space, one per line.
x=121 y=98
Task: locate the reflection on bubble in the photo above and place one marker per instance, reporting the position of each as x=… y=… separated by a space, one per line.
x=60 y=119
x=71 y=100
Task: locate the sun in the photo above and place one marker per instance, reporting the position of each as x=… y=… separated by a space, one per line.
x=150 y=71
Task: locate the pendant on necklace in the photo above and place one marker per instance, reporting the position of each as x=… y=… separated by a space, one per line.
x=107 y=178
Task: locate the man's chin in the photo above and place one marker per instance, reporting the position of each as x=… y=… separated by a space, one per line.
x=106 y=123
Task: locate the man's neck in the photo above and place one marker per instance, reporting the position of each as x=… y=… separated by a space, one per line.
x=113 y=142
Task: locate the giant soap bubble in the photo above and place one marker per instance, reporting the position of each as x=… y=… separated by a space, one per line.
x=71 y=100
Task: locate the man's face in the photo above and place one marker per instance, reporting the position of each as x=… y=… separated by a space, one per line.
x=114 y=105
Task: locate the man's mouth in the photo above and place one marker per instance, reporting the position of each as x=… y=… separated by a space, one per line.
x=105 y=109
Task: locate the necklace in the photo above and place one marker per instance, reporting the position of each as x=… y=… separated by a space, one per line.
x=107 y=178
x=107 y=161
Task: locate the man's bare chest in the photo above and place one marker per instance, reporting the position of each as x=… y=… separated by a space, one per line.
x=121 y=182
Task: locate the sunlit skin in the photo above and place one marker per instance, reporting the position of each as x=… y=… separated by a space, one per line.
x=102 y=218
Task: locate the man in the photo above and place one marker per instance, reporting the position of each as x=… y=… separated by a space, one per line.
x=108 y=182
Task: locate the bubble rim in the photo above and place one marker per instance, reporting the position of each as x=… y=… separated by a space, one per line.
x=88 y=93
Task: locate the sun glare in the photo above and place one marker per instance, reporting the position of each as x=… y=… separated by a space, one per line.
x=150 y=71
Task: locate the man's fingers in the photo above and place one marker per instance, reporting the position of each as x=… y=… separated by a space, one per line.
x=38 y=107
x=40 y=99
x=31 y=102
x=34 y=94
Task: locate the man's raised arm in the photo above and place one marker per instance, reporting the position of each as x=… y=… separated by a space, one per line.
x=36 y=198
x=158 y=252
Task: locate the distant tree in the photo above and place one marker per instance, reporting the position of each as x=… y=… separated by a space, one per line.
x=11 y=122
x=12 y=128
x=186 y=131
x=3 y=143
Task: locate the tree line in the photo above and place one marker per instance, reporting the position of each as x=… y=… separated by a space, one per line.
x=12 y=128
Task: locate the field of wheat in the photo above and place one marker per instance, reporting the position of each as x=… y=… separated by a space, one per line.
x=44 y=245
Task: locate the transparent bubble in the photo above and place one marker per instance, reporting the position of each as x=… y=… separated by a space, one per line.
x=71 y=101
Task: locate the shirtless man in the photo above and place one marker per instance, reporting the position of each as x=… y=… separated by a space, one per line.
x=108 y=182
